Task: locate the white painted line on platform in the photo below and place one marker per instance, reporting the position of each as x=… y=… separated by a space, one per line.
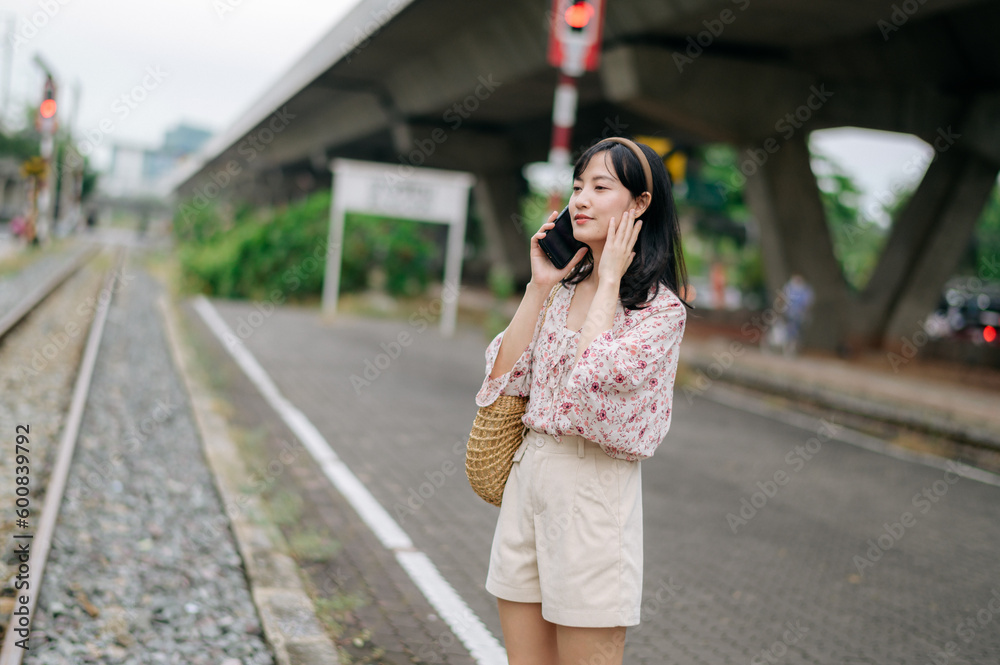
x=454 y=611
x=759 y=407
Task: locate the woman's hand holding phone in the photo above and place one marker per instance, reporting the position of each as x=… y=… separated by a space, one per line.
x=543 y=273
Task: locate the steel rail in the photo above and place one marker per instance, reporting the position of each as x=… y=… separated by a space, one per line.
x=41 y=541
x=42 y=291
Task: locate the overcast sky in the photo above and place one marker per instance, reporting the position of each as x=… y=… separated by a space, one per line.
x=205 y=61
x=213 y=58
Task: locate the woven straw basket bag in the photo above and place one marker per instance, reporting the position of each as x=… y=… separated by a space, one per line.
x=496 y=434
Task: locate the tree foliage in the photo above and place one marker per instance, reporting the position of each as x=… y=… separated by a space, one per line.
x=985 y=248
x=857 y=239
x=715 y=200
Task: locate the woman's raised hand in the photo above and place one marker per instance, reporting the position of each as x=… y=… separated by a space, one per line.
x=617 y=255
x=543 y=272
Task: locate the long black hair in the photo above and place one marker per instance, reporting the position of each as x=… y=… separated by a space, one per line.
x=658 y=256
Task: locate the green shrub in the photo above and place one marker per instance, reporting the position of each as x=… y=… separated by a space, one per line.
x=403 y=249
x=194 y=223
x=286 y=251
x=408 y=258
x=255 y=257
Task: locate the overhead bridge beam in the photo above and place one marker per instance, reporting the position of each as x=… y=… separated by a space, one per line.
x=767 y=110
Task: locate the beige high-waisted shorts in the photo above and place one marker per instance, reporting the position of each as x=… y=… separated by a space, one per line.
x=569 y=533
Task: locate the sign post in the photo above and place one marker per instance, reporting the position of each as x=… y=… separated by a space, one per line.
x=392 y=190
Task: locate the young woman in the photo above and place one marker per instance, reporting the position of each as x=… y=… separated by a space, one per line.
x=566 y=561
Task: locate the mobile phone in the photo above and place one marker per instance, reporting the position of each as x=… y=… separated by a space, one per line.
x=559 y=244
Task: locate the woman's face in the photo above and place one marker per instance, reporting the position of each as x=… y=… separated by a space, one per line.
x=598 y=195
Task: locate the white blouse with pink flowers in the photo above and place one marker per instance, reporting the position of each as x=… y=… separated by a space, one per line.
x=618 y=395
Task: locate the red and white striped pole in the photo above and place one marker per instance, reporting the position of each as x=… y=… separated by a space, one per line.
x=574 y=47
x=563 y=119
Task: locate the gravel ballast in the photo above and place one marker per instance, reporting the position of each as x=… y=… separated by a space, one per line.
x=144 y=568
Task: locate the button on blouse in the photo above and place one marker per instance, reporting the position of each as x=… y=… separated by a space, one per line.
x=618 y=395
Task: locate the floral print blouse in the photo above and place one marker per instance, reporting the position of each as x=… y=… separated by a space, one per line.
x=618 y=395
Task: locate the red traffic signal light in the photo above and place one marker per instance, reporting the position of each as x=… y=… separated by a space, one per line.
x=47 y=109
x=579 y=14
x=575 y=35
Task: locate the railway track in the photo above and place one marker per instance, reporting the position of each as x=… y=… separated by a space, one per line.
x=38 y=295
x=33 y=473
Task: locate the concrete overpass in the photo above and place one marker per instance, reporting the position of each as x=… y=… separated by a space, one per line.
x=465 y=85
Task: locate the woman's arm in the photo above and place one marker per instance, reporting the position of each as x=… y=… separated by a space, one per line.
x=544 y=276
x=601 y=315
x=521 y=328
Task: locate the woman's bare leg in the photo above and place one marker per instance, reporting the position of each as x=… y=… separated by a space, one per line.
x=530 y=639
x=590 y=646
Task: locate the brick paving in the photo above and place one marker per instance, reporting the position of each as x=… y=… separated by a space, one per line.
x=785 y=587
x=394 y=620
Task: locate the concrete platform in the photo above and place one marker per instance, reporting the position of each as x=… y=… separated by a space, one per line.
x=763 y=539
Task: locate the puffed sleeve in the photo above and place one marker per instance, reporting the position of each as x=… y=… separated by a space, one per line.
x=620 y=393
x=515 y=382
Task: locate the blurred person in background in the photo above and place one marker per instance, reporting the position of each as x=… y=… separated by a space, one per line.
x=717 y=275
x=799 y=298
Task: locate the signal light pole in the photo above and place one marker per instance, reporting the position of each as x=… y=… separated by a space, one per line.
x=46 y=124
x=574 y=47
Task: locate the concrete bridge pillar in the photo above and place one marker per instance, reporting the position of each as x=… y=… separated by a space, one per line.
x=927 y=242
x=496 y=199
x=785 y=199
x=743 y=102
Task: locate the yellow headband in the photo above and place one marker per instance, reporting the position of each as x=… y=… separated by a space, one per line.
x=631 y=145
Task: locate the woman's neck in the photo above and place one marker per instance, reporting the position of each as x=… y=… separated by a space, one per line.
x=594 y=278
